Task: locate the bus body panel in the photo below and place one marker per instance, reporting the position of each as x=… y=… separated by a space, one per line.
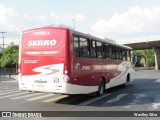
x=89 y=74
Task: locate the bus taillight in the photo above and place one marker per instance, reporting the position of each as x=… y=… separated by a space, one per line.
x=65 y=70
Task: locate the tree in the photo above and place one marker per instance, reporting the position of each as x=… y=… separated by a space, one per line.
x=146 y=57
x=9 y=56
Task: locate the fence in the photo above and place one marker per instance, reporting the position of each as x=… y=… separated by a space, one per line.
x=8 y=74
x=8 y=71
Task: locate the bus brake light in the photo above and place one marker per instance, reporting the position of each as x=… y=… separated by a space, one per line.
x=65 y=70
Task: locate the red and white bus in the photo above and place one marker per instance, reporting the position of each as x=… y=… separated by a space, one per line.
x=64 y=61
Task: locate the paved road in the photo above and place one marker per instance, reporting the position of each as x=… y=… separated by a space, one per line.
x=142 y=94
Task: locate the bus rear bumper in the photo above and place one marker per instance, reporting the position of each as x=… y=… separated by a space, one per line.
x=63 y=88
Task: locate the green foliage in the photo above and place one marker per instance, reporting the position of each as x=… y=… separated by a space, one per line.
x=146 y=57
x=9 y=56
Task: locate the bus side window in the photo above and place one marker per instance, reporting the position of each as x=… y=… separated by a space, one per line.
x=99 y=50
x=113 y=54
x=121 y=54
x=93 y=49
x=106 y=51
x=129 y=55
x=76 y=46
x=124 y=53
x=84 y=47
x=117 y=53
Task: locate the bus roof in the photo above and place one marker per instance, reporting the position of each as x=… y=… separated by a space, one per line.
x=106 y=40
x=35 y=29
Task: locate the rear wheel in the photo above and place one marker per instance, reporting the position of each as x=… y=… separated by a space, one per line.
x=101 y=88
x=127 y=80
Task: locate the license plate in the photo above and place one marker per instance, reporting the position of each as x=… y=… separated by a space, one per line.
x=40 y=87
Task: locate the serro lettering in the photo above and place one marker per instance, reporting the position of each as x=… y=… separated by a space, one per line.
x=42 y=43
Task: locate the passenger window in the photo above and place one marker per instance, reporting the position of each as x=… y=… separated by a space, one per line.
x=128 y=55
x=124 y=53
x=118 y=53
x=93 y=49
x=121 y=56
x=84 y=47
x=113 y=55
x=99 y=50
x=76 y=46
x=106 y=51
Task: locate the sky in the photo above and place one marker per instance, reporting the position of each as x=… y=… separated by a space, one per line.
x=120 y=20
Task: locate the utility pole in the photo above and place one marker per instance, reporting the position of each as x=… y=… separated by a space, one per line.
x=2 y=36
x=74 y=24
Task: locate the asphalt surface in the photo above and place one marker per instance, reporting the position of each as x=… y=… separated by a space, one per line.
x=142 y=94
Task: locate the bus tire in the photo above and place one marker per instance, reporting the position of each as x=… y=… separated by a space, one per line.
x=101 y=88
x=127 y=80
